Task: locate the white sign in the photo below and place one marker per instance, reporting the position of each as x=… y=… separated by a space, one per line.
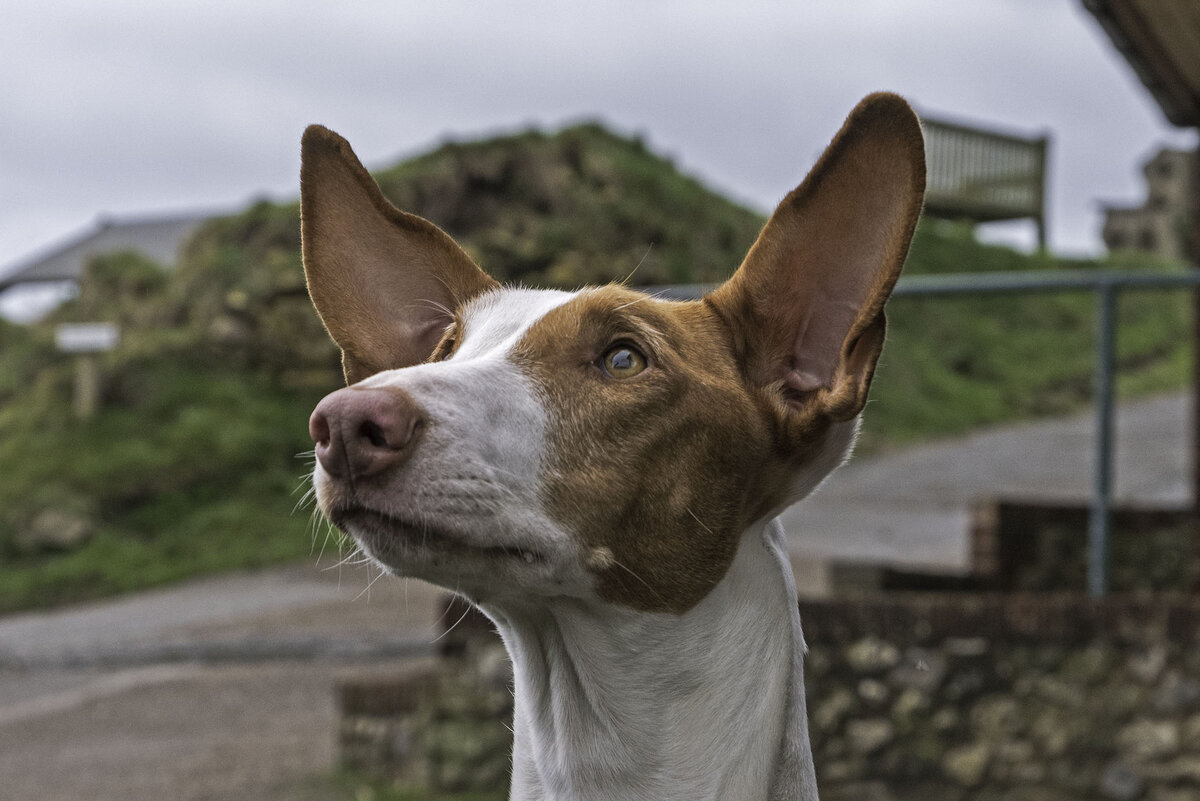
x=86 y=337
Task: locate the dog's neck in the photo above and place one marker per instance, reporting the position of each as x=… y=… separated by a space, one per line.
x=613 y=704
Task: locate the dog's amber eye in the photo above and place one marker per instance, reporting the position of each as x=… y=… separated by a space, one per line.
x=623 y=361
x=445 y=347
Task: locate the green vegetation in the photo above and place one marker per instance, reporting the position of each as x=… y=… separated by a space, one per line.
x=191 y=466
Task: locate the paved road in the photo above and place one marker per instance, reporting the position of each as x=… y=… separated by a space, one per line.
x=216 y=689
x=222 y=688
x=911 y=507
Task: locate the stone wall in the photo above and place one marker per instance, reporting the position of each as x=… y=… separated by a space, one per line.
x=911 y=697
x=443 y=724
x=1005 y=697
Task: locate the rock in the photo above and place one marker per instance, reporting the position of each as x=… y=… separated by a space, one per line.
x=1016 y=761
x=1060 y=692
x=1183 y=794
x=996 y=717
x=1032 y=773
x=965 y=646
x=1182 y=770
x=872 y=655
x=1124 y=700
x=1016 y=751
x=817 y=662
x=466 y=755
x=839 y=770
x=1120 y=781
x=859 y=791
x=965 y=683
x=1050 y=733
x=828 y=714
x=868 y=736
x=873 y=692
x=1148 y=666
x=55 y=530
x=1088 y=665
x=946 y=719
x=230 y=330
x=1177 y=694
x=967 y=764
x=921 y=670
x=908 y=704
x=1146 y=739
x=1191 y=733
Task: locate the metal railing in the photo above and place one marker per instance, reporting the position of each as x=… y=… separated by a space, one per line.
x=1106 y=285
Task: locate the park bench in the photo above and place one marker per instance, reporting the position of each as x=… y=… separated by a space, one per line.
x=984 y=176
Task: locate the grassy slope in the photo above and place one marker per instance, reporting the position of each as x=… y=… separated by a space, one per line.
x=191 y=466
x=190 y=469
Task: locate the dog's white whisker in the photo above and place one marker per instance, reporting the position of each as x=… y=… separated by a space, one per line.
x=370 y=583
x=451 y=628
x=352 y=558
x=625 y=281
x=698 y=520
x=442 y=307
x=633 y=573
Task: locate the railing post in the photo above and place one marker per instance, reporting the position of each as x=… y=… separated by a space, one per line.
x=1102 y=474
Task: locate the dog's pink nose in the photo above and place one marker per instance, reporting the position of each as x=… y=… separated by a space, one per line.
x=362 y=432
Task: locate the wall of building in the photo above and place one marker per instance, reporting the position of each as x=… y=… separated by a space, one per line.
x=1161 y=225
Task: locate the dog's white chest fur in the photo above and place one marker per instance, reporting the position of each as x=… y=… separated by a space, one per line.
x=602 y=698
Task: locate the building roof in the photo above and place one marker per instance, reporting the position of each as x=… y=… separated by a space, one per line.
x=1161 y=41
x=156 y=237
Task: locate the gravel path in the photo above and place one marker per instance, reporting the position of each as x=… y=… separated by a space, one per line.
x=216 y=689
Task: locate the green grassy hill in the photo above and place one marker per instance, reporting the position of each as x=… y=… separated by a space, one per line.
x=192 y=464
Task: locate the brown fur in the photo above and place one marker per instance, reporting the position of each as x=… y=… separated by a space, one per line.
x=811 y=291
x=666 y=469
x=663 y=469
x=384 y=282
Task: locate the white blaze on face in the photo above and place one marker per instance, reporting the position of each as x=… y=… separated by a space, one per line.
x=494 y=322
x=473 y=479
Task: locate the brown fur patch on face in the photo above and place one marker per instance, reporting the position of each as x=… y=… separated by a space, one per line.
x=660 y=473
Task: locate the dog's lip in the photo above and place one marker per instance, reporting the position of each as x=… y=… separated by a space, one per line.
x=430 y=535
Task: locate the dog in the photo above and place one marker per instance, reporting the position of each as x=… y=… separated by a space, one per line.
x=600 y=470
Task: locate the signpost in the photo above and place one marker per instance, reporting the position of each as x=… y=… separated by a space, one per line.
x=86 y=340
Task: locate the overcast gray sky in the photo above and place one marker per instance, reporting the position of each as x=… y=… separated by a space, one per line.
x=131 y=106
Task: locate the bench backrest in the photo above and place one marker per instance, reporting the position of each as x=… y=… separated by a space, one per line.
x=980 y=175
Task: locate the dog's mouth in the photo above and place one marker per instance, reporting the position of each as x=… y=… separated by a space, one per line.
x=393 y=534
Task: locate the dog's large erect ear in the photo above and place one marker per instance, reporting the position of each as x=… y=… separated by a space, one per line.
x=384 y=282
x=806 y=305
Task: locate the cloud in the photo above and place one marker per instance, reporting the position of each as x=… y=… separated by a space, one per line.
x=130 y=106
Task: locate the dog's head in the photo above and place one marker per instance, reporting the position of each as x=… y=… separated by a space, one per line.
x=515 y=443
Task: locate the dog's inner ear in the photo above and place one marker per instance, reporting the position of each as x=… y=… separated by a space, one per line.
x=806 y=305
x=385 y=283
